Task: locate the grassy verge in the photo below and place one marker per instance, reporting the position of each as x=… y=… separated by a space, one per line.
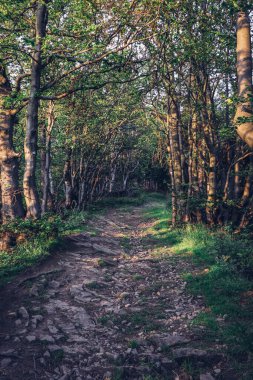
x=223 y=271
x=39 y=239
x=42 y=237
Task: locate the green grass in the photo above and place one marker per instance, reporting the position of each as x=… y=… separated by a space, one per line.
x=26 y=255
x=223 y=264
x=133 y=344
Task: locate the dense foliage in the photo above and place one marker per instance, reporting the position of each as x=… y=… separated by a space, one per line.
x=103 y=97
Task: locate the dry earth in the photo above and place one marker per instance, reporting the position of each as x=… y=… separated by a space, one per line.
x=105 y=308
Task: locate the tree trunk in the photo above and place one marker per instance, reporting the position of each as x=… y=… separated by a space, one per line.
x=125 y=181
x=46 y=191
x=176 y=159
x=11 y=198
x=31 y=137
x=68 y=181
x=112 y=177
x=244 y=76
x=211 y=189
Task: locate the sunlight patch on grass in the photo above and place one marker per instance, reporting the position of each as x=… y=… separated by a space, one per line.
x=221 y=261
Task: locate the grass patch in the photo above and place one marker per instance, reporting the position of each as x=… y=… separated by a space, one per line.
x=133 y=344
x=57 y=357
x=138 y=277
x=40 y=239
x=223 y=275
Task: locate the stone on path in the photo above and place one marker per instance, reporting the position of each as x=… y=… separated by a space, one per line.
x=5 y=362
x=206 y=376
x=106 y=250
x=23 y=312
x=169 y=339
x=46 y=339
x=30 y=338
x=107 y=311
x=184 y=353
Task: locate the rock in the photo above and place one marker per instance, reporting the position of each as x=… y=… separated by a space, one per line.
x=34 y=291
x=55 y=284
x=21 y=332
x=47 y=354
x=36 y=319
x=23 y=312
x=64 y=377
x=57 y=370
x=42 y=361
x=46 y=338
x=51 y=293
x=170 y=340
x=77 y=339
x=9 y=352
x=52 y=329
x=5 y=362
x=78 y=293
x=106 y=250
x=206 y=376
x=30 y=338
x=166 y=364
x=53 y=348
x=18 y=322
x=123 y=295
x=16 y=339
x=107 y=375
x=184 y=353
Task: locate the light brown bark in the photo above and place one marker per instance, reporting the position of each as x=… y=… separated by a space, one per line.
x=11 y=198
x=244 y=75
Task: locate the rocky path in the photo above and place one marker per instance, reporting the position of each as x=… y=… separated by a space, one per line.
x=105 y=308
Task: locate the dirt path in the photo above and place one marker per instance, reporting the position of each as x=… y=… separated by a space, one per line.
x=105 y=308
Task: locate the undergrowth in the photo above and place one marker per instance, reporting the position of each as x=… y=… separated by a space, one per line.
x=223 y=275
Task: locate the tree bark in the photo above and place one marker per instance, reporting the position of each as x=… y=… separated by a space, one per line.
x=11 y=198
x=31 y=137
x=68 y=181
x=46 y=191
x=244 y=109
x=176 y=158
x=211 y=189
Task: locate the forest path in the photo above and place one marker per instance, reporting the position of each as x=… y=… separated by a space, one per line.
x=105 y=308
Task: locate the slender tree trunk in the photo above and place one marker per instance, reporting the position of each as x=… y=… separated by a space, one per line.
x=175 y=158
x=173 y=191
x=31 y=137
x=46 y=193
x=67 y=181
x=237 y=182
x=125 y=181
x=244 y=75
x=11 y=198
x=211 y=189
x=112 y=177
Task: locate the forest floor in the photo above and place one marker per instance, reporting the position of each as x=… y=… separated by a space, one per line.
x=109 y=305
